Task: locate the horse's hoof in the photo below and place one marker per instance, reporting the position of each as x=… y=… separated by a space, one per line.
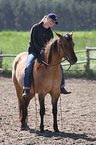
x=42 y=130
x=56 y=130
x=23 y=126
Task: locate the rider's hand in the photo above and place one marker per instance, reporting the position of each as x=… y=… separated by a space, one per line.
x=41 y=52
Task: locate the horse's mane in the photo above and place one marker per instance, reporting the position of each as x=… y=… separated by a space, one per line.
x=50 y=47
x=48 y=50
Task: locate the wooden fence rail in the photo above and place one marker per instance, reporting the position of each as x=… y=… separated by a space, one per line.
x=87 y=61
x=88 y=58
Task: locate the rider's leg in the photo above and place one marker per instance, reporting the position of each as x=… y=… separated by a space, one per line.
x=63 y=90
x=28 y=73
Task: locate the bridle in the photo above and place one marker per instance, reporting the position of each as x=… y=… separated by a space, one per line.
x=66 y=57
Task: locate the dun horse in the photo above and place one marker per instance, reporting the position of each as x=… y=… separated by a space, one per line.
x=47 y=78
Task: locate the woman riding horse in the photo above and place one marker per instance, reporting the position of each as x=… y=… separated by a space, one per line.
x=45 y=79
x=40 y=34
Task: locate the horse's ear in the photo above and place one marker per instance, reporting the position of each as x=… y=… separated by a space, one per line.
x=59 y=35
x=71 y=33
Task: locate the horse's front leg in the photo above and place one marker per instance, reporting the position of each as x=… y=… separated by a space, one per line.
x=42 y=111
x=54 y=111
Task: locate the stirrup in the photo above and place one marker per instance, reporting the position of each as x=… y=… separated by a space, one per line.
x=26 y=94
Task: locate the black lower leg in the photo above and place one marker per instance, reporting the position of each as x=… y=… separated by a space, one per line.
x=42 y=112
x=24 y=116
x=41 y=125
x=55 y=126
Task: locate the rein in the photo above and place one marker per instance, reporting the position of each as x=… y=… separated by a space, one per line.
x=52 y=64
x=55 y=64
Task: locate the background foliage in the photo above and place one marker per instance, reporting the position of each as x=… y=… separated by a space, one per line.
x=17 y=42
x=72 y=14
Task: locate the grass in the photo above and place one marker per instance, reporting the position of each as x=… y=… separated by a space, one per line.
x=13 y=42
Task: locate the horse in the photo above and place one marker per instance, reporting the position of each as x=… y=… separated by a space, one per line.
x=46 y=78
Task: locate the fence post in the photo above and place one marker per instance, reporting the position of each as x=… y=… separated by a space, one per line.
x=0 y=60
x=88 y=60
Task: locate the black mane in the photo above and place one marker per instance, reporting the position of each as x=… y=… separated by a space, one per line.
x=53 y=48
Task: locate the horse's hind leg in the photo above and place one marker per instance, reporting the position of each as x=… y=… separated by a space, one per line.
x=23 y=112
x=54 y=111
x=42 y=110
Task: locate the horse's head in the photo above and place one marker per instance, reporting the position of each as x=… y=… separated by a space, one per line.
x=67 y=47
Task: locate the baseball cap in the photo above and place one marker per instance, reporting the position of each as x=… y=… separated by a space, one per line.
x=53 y=17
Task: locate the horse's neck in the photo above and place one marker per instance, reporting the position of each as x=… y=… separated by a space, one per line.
x=56 y=55
x=56 y=58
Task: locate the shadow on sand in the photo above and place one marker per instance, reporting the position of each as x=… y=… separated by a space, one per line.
x=51 y=134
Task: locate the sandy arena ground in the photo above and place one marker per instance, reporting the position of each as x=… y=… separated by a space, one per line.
x=76 y=116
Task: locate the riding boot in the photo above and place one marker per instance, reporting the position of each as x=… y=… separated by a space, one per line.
x=26 y=94
x=64 y=91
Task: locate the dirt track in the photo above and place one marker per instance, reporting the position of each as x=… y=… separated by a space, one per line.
x=78 y=125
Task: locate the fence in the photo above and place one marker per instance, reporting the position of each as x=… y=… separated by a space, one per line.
x=88 y=58
x=87 y=61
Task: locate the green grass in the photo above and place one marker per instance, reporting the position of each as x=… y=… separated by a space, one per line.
x=13 y=42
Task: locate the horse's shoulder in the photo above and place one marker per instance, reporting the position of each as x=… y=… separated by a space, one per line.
x=38 y=65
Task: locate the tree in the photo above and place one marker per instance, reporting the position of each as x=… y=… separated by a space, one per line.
x=72 y=14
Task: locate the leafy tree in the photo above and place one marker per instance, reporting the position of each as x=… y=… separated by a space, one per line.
x=72 y=14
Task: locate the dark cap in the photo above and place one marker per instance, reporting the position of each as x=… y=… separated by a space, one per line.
x=53 y=17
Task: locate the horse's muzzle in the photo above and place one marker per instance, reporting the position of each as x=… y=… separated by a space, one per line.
x=73 y=60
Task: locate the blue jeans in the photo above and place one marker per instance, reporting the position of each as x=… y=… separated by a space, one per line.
x=28 y=72
x=63 y=79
